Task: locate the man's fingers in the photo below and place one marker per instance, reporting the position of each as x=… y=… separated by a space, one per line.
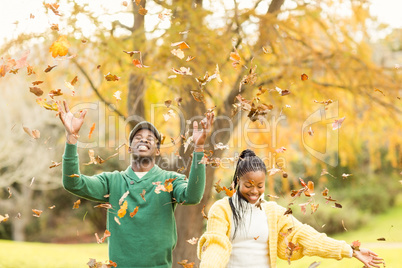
x=65 y=106
x=195 y=126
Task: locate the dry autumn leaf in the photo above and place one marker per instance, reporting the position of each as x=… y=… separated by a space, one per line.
x=36 y=90
x=53 y=7
x=123 y=209
x=77 y=204
x=105 y=235
x=337 y=124
x=132 y=214
x=91 y=131
x=203 y=213
x=121 y=200
x=105 y=205
x=142 y=11
x=182 y=71
x=54 y=27
x=60 y=47
x=178 y=53
x=111 y=77
x=4 y=218
x=117 y=95
x=143 y=194
x=34 y=133
x=182 y=45
x=37 y=212
x=304 y=77
x=49 y=68
x=35 y=83
x=235 y=58
x=55 y=164
x=192 y=241
x=47 y=104
x=186 y=264
x=55 y=92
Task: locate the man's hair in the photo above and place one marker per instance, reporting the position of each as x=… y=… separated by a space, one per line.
x=248 y=162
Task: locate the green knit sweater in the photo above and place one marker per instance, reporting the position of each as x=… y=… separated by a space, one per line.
x=148 y=238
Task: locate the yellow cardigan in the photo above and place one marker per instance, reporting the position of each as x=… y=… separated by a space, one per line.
x=214 y=246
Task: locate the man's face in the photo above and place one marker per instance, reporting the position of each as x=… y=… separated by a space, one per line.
x=144 y=144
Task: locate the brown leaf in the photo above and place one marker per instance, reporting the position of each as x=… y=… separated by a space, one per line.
x=55 y=164
x=111 y=77
x=203 y=213
x=54 y=27
x=304 y=77
x=55 y=92
x=337 y=205
x=77 y=204
x=288 y=211
x=36 y=90
x=35 y=83
x=143 y=194
x=32 y=133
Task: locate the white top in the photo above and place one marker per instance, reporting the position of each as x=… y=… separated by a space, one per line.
x=140 y=174
x=250 y=246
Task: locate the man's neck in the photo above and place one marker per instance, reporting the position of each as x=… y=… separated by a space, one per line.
x=142 y=166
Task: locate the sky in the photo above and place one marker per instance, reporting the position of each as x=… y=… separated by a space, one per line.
x=387 y=11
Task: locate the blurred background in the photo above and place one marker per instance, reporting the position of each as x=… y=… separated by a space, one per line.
x=278 y=74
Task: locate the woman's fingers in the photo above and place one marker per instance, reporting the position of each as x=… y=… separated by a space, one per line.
x=66 y=106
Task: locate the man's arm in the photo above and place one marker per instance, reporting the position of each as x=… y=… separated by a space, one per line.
x=89 y=187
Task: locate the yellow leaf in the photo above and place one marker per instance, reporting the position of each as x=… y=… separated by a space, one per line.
x=123 y=209
x=60 y=47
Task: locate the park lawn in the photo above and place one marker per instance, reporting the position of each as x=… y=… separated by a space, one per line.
x=28 y=254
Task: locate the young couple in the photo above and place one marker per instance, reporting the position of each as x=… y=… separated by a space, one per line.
x=240 y=232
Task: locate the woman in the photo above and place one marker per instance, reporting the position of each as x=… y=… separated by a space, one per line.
x=247 y=231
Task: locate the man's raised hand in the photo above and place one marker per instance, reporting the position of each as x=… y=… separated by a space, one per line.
x=200 y=135
x=71 y=123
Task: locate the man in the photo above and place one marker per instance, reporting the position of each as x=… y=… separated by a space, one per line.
x=147 y=238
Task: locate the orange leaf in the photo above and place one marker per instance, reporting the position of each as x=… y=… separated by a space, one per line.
x=203 y=213
x=35 y=83
x=75 y=79
x=77 y=204
x=122 y=211
x=142 y=11
x=217 y=186
x=132 y=214
x=304 y=77
x=228 y=191
x=37 y=212
x=36 y=90
x=111 y=77
x=60 y=47
x=91 y=131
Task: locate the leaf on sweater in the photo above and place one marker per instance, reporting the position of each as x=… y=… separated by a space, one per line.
x=37 y=212
x=290 y=249
x=123 y=209
x=288 y=211
x=117 y=220
x=132 y=214
x=186 y=264
x=169 y=185
x=143 y=194
x=192 y=241
x=159 y=187
x=95 y=264
x=203 y=213
x=77 y=204
x=101 y=240
x=74 y=176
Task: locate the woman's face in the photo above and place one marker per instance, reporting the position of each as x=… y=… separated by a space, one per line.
x=252 y=185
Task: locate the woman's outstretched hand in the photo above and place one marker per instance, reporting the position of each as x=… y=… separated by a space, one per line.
x=71 y=123
x=368 y=257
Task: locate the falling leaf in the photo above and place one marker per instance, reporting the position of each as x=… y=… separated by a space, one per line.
x=123 y=209
x=123 y=197
x=35 y=83
x=228 y=191
x=272 y=196
x=250 y=78
x=203 y=213
x=310 y=132
x=376 y=89
x=55 y=92
x=55 y=164
x=192 y=241
x=217 y=186
x=314 y=207
x=54 y=27
x=53 y=7
x=235 y=58
x=190 y=58
x=117 y=95
x=337 y=205
x=198 y=95
x=182 y=45
x=186 y=264
x=142 y=11
x=36 y=90
x=280 y=150
x=31 y=16
x=168 y=103
x=273 y=171
x=326 y=102
x=288 y=211
x=124 y=3
x=91 y=131
x=60 y=47
x=143 y=194
x=221 y=146
x=304 y=77
x=314 y=264
x=178 y=53
x=169 y=114
x=77 y=204
x=132 y=214
x=345 y=176
x=106 y=234
x=30 y=70
x=337 y=124
x=37 y=212
x=117 y=220
x=325 y=192
x=49 y=68
x=356 y=245
x=138 y=64
x=47 y=104
x=9 y=192
x=74 y=176
x=182 y=71
x=32 y=181
x=167 y=13
x=343 y=224
x=381 y=239
x=32 y=133
x=4 y=218
x=111 y=77
x=105 y=205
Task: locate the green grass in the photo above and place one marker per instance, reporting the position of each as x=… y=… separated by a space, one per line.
x=389 y=226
